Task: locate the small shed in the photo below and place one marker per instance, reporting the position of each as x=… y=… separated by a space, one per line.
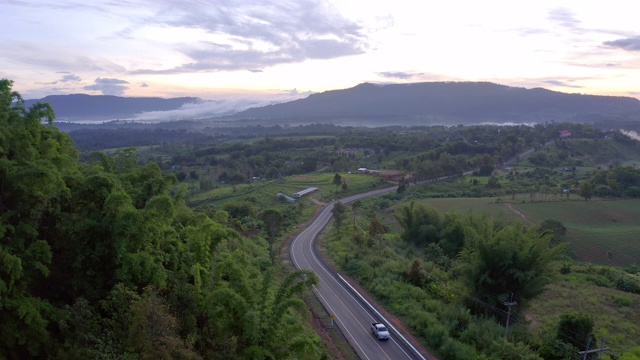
x=286 y=197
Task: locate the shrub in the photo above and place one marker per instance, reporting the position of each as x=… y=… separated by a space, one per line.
x=501 y=349
x=627 y=284
x=481 y=332
x=455 y=350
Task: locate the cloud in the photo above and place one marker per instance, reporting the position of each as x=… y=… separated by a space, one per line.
x=70 y=78
x=108 y=86
x=144 y=85
x=629 y=44
x=40 y=55
x=255 y=70
x=632 y=134
x=253 y=34
x=563 y=17
x=66 y=78
x=223 y=106
x=397 y=74
x=560 y=83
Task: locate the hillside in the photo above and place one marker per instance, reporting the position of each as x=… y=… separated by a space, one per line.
x=447 y=103
x=106 y=107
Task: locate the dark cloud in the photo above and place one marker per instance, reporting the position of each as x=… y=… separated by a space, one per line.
x=70 y=78
x=66 y=78
x=560 y=83
x=255 y=70
x=612 y=64
x=144 y=85
x=259 y=34
x=397 y=74
x=629 y=44
x=108 y=86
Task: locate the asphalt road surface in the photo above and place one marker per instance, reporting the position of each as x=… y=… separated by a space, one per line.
x=351 y=315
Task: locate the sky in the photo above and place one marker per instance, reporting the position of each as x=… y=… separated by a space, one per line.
x=233 y=51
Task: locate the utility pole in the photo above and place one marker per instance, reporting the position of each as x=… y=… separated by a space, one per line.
x=602 y=349
x=508 y=304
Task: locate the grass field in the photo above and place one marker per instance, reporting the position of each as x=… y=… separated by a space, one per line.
x=599 y=231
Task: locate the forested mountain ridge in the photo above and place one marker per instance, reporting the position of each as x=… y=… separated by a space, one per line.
x=447 y=103
x=100 y=107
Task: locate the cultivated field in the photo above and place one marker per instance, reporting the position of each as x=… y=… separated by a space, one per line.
x=603 y=232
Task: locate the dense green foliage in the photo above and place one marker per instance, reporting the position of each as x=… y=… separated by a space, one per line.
x=104 y=260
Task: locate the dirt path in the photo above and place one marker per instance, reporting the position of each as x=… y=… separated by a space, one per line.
x=318 y=202
x=515 y=211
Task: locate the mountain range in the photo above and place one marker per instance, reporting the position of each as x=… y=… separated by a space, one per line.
x=427 y=103
x=108 y=107
x=448 y=103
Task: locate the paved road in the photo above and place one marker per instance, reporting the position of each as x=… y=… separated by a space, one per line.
x=351 y=316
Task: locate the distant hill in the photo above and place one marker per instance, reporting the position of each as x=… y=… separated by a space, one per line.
x=446 y=103
x=105 y=107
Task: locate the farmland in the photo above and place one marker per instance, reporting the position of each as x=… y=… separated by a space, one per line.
x=599 y=231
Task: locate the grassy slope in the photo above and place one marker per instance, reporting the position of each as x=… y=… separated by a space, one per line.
x=616 y=314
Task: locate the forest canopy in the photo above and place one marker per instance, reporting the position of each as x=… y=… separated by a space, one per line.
x=102 y=259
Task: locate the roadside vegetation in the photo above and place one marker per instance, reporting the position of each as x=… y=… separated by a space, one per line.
x=174 y=246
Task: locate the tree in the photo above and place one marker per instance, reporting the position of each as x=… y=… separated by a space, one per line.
x=402 y=186
x=416 y=274
x=35 y=160
x=272 y=223
x=555 y=227
x=154 y=330
x=420 y=224
x=498 y=261
x=575 y=329
x=376 y=230
x=355 y=206
x=586 y=190
x=337 y=180
x=339 y=210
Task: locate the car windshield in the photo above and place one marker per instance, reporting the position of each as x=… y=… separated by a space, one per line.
x=382 y=328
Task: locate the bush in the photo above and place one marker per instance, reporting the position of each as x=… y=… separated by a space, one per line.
x=455 y=350
x=481 y=332
x=501 y=349
x=627 y=284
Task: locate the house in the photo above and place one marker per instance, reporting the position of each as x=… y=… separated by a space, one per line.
x=565 y=134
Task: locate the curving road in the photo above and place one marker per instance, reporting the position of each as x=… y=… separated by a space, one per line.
x=351 y=315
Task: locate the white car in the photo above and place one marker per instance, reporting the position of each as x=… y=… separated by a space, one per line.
x=380 y=331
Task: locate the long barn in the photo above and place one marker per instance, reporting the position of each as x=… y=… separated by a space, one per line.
x=304 y=192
